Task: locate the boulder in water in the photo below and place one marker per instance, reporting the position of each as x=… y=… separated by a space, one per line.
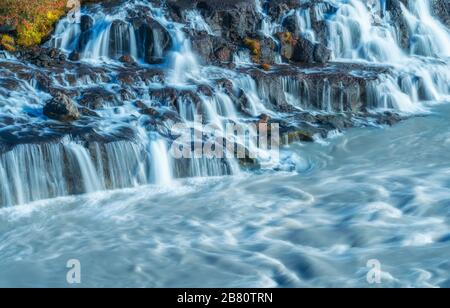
x=75 y=56
x=61 y=108
x=86 y=23
x=126 y=59
x=303 y=51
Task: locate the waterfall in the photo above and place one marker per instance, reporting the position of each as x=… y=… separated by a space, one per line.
x=33 y=172
x=125 y=140
x=112 y=40
x=355 y=35
x=326 y=96
x=66 y=35
x=185 y=66
x=249 y=87
x=88 y=172
x=268 y=27
x=429 y=36
x=197 y=22
x=42 y=171
x=160 y=161
x=303 y=18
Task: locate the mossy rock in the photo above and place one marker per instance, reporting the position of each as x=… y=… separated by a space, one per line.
x=297 y=136
x=7 y=43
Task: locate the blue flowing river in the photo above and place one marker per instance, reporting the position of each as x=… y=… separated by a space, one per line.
x=369 y=194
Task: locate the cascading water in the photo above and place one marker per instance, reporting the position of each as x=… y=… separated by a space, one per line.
x=429 y=36
x=356 y=31
x=96 y=117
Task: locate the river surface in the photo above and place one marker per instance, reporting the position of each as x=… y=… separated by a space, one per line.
x=369 y=194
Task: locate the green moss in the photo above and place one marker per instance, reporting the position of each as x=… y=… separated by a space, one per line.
x=255 y=48
x=7 y=42
x=297 y=136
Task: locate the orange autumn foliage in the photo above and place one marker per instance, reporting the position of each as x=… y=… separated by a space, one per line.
x=32 y=20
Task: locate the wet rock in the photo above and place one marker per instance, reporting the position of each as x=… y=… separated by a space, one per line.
x=126 y=59
x=119 y=39
x=203 y=46
x=279 y=8
x=150 y=112
x=140 y=104
x=268 y=52
x=321 y=53
x=291 y=25
x=303 y=51
x=234 y=20
x=333 y=87
x=288 y=43
x=74 y=56
x=153 y=40
x=9 y=84
x=224 y=54
x=167 y=95
x=296 y=136
x=389 y=118
x=61 y=108
x=88 y=112
x=126 y=94
x=441 y=8
x=42 y=56
x=83 y=40
x=205 y=90
x=98 y=98
x=212 y=49
x=86 y=23
x=397 y=17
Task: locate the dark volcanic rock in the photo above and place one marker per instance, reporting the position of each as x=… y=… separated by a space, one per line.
x=153 y=40
x=278 y=8
x=303 y=51
x=395 y=11
x=43 y=57
x=231 y=19
x=119 y=39
x=74 y=56
x=86 y=23
x=441 y=8
x=61 y=108
x=98 y=98
x=212 y=49
x=127 y=59
x=321 y=53
x=337 y=86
